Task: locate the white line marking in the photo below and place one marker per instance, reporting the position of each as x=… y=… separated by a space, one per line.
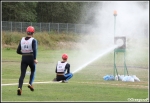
x=28 y=83
x=77 y=82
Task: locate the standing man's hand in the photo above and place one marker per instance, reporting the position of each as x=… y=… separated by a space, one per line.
x=35 y=61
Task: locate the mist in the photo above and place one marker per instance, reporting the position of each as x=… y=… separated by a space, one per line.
x=132 y=21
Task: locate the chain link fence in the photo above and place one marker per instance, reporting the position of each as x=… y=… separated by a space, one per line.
x=47 y=27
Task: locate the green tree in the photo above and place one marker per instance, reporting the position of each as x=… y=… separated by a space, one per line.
x=58 y=12
x=19 y=11
x=88 y=13
x=54 y=12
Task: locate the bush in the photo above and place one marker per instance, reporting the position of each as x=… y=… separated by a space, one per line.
x=49 y=40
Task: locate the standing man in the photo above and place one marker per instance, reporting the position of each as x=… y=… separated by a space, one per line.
x=63 y=70
x=28 y=49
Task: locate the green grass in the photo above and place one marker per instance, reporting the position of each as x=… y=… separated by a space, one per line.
x=73 y=91
x=86 y=85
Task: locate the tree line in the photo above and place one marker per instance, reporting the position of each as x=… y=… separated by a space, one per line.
x=54 y=12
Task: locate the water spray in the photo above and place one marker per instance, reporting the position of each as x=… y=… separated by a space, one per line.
x=95 y=58
x=119 y=43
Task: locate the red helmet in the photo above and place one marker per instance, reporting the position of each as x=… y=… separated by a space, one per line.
x=64 y=56
x=30 y=29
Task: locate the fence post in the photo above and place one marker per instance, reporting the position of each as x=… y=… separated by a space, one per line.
x=49 y=27
x=21 y=26
x=58 y=28
x=67 y=28
x=75 y=28
x=11 y=26
x=40 y=27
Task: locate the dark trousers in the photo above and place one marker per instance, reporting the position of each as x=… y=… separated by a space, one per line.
x=66 y=77
x=60 y=77
x=27 y=60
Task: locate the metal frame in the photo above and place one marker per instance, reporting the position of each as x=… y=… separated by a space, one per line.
x=123 y=50
x=125 y=66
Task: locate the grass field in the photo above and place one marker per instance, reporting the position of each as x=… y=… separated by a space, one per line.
x=86 y=85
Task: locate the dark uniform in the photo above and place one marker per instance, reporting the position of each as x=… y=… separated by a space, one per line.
x=27 y=60
x=62 y=75
x=63 y=70
x=28 y=49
